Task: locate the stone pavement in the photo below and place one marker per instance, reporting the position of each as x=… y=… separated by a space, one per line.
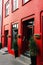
x=8 y=59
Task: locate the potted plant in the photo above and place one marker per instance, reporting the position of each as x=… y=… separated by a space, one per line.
x=38 y=36
x=15 y=46
x=18 y=36
x=33 y=50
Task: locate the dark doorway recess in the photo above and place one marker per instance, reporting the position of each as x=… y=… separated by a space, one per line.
x=14 y=33
x=6 y=38
x=28 y=31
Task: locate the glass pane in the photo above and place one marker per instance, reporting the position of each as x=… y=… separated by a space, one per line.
x=7 y=12
x=15 y=4
x=7 y=8
x=25 y=1
x=17 y=26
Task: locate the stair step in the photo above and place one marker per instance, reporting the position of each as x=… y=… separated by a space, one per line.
x=25 y=59
x=4 y=49
x=27 y=53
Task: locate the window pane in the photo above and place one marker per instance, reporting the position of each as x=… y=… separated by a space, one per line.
x=17 y=26
x=7 y=12
x=26 y=1
x=15 y=4
x=7 y=8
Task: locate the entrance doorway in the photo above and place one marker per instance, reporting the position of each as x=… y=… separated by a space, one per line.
x=28 y=31
x=14 y=33
x=6 y=38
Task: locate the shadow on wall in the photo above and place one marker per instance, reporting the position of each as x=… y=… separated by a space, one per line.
x=0 y=45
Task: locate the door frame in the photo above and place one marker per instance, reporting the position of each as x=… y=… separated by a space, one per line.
x=24 y=19
x=41 y=30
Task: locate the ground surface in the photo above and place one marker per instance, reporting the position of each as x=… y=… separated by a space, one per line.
x=8 y=59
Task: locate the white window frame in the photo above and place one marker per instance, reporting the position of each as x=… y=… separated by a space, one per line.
x=15 y=25
x=15 y=4
x=7 y=8
x=24 y=1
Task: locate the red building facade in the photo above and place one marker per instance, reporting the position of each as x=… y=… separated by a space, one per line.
x=25 y=18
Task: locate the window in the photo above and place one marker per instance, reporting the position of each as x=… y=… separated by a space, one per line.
x=24 y=1
x=7 y=8
x=14 y=32
x=15 y=4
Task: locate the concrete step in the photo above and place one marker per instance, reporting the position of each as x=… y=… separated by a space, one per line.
x=27 y=53
x=5 y=49
x=24 y=59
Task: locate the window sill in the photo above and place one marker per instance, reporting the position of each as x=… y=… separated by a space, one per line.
x=14 y=10
x=6 y=15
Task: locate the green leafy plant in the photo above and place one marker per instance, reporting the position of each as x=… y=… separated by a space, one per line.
x=33 y=47
x=38 y=36
x=14 y=44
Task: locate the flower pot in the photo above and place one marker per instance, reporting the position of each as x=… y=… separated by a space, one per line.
x=38 y=36
x=18 y=36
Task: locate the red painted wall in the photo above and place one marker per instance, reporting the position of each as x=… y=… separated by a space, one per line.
x=0 y=29
x=27 y=11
